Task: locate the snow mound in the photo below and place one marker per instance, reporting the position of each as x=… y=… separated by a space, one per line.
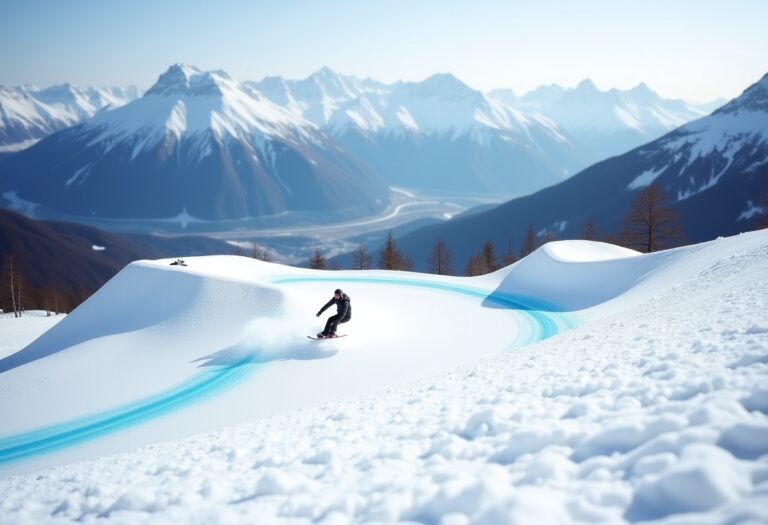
x=575 y=275
x=595 y=278
x=170 y=304
x=584 y=251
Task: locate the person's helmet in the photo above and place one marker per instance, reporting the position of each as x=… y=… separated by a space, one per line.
x=337 y=291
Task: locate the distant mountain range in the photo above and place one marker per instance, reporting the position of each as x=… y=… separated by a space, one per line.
x=197 y=146
x=442 y=134
x=28 y=113
x=714 y=170
x=611 y=122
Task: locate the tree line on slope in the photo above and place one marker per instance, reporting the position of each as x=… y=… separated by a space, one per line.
x=16 y=295
x=650 y=225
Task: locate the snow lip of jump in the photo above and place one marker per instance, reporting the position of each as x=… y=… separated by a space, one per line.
x=576 y=251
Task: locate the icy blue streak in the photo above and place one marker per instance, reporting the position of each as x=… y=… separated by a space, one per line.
x=541 y=321
x=54 y=437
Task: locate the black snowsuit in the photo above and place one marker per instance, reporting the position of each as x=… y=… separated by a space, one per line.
x=343 y=313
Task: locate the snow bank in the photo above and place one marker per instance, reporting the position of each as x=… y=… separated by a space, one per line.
x=649 y=412
x=17 y=333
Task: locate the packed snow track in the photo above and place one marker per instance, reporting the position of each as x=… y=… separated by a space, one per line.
x=160 y=324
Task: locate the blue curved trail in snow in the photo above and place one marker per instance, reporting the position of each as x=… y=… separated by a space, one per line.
x=54 y=437
x=541 y=320
x=538 y=322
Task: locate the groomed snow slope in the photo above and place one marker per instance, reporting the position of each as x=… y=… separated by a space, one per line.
x=653 y=408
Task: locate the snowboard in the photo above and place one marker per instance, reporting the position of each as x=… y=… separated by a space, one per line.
x=324 y=338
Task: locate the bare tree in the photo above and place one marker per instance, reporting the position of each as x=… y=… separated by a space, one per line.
x=509 y=256
x=82 y=295
x=261 y=253
x=762 y=219
x=390 y=257
x=489 y=254
x=317 y=261
x=477 y=265
x=237 y=249
x=483 y=262
x=652 y=224
x=334 y=264
x=589 y=232
x=12 y=279
x=439 y=261
x=529 y=242
x=407 y=264
x=548 y=237
x=57 y=300
x=361 y=259
x=45 y=299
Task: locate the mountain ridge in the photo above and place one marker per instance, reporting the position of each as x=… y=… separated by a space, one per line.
x=196 y=143
x=714 y=171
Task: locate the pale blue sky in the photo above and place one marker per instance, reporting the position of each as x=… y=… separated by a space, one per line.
x=697 y=50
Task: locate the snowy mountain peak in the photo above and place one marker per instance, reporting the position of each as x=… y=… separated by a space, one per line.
x=325 y=73
x=505 y=96
x=543 y=96
x=587 y=86
x=186 y=101
x=272 y=83
x=181 y=79
x=643 y=92
x=28 y=113
x=441 y=85
x=7 y=90
x=754 y=98
x=326 y=83
x=27 y=88
x=642 y=88
x=65 y=89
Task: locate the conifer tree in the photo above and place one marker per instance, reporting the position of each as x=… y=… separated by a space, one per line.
x=317 y=261
x=390 y=257
x=529 y=242
x=361 y=259
x=489 y=255
x=440 y=259
x=589 y=232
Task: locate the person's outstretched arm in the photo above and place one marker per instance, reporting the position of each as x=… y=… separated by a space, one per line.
x=327 y=305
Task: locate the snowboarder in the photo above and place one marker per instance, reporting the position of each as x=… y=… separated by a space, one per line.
x=343 y=313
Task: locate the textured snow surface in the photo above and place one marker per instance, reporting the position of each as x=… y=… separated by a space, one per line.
x=654 y=409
